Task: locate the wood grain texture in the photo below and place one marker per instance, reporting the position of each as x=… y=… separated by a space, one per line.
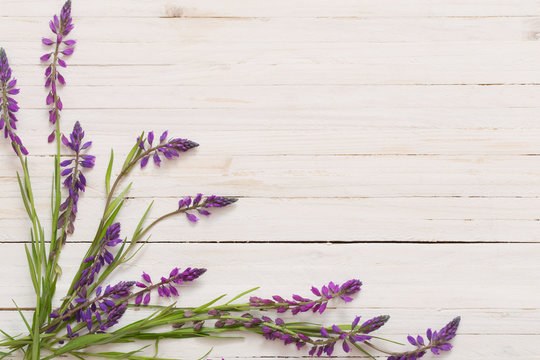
x=396 y=142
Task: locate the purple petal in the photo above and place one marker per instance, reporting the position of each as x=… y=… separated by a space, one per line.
x=324 y=333
x=192 y=217
x=163 y=136
x=68 y=51
x=45 y=57
x=50 y=99
x=144 y=161
x=146 y=277
x=355 y=322
x=157 y=159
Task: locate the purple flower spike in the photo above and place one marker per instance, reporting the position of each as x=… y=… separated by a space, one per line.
x=438 y=341
x=167 y=287
x=301 y=304
x=374 y=324
x=75 y=181
x=61 y=27
x=219 y=201
x=199 y=204
x=102 y=259
x=320 y=344
x=8 y=105
x=169 y=149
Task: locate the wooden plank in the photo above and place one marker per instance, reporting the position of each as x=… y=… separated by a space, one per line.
x=312 y=176
x=467 y=57
x=445 y=276
x=261 y=97
x=233 y=30
x=440 y=279
x=197 y=122
x=287 y=74
x=289 y=9
x=492 y=347
x=429 y=219
x=403 y=322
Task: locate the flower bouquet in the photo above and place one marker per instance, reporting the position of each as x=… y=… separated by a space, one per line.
x=86 y=321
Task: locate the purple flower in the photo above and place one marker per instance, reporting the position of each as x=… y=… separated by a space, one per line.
x=218 y=201
x=167 y=287
x=168 y=149
x=75 y=181
x=8 y=105
x=437 y=342
x=61 y=27
x=374 y=324
x=102 y=258
x=320 y=344
x=301 y=304
x=199 y=204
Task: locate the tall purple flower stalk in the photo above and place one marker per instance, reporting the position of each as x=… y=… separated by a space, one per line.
x=321 y=343
x=302 y=304
x=167 y=148
x=98 y=313
x=103 y=258
x=62 y=47
x=436 y=342
x=167 y=286
x=212 y=201
x=74 y=180
x=8 y=105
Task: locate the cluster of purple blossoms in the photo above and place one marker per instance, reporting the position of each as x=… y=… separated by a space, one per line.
x=198 y=203
x=74 y=178
x=61 y=27
x=302 y=304
x=321 y=344
x=8 y=105
x=168 y=148
x=99 y=313
x=438 y=341
x=103 y=256
x=355 y=335
x=167 y=286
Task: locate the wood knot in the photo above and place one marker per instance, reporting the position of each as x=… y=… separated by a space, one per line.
x=174 y=11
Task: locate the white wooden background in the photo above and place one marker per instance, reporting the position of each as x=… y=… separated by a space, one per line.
x=393 y=141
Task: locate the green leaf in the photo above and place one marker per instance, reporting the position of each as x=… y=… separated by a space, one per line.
x=242 y=294
x=81 y=343
x=140 y=224
x=3 y=354
x=108 y=174
x=116 y=201
x=6 y=334
x=205 y=306
x=22 y=316
x=205 y=355
x=388 y=340
x=23 y=195
x=31 y=268
x=135 y=150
